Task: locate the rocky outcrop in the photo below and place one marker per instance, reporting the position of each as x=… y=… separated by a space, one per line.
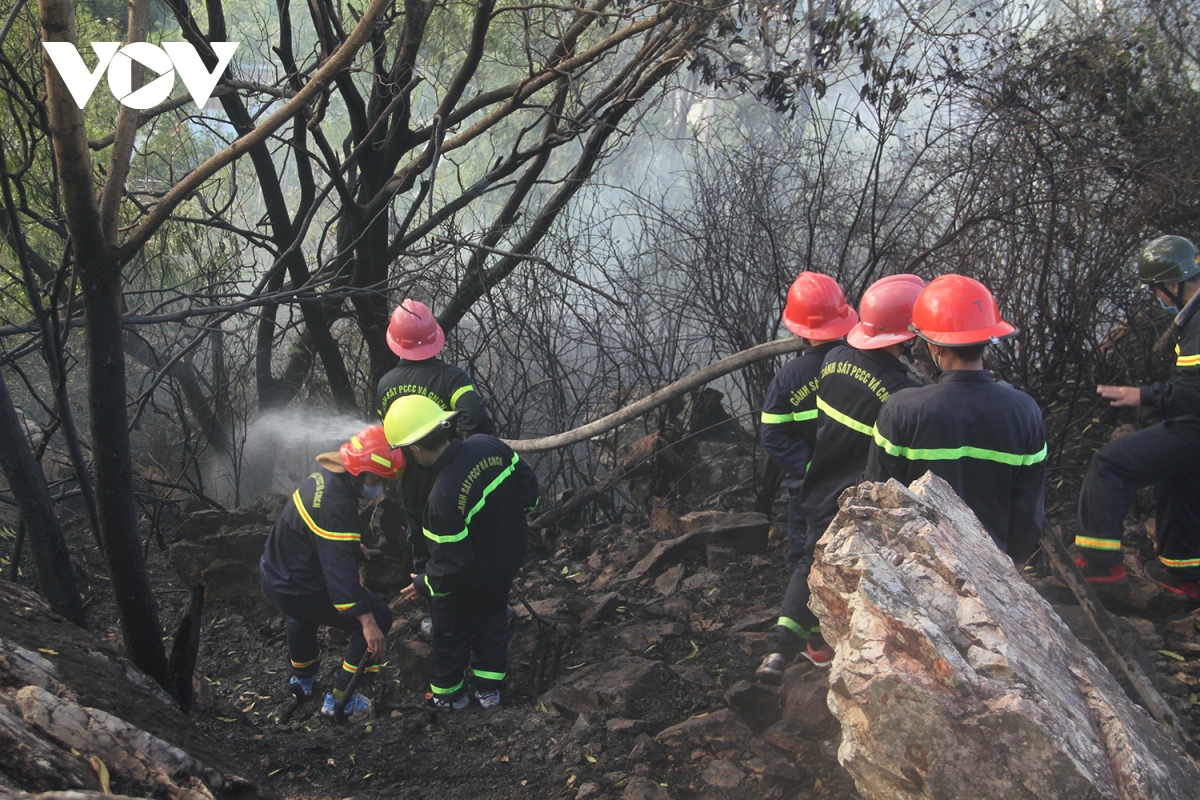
x=74 y=716
x=953 y=678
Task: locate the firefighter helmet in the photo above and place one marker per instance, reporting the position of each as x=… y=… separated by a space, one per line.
x=369 y=451
x=1168 y=259
x=413 y=417
x=413 y=332
x=885 y=313
x=817 y=309
x=957 y=311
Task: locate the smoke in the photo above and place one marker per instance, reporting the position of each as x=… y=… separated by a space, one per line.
x=278 y=452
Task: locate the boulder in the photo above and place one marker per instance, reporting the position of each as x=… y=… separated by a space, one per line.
x=226 y=562
x=953 y=678
x=625 y=686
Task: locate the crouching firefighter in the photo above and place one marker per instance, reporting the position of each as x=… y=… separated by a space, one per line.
x=475 y=528
x=310 y=566
x=1166 y=455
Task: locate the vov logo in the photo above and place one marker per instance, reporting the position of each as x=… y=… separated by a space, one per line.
x=178 y=57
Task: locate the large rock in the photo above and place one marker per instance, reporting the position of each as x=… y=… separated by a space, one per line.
x=221 y=548
x=953 y=678
x=626 y=686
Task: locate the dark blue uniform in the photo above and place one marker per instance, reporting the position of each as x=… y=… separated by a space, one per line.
x=789 y=432
x=477 y=536
x=309 y=572
x=851 y=386
x=986 y=439
x=1167 y=454
x=451 y=388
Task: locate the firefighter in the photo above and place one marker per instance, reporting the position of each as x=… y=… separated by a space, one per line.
x=854 y=380
x=816 y=310
x=474 y=523
x=985 y=438
x=415 y=336
x=1166 y=455
x=309 y=568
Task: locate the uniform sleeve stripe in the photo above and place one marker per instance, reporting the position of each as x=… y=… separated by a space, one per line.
x=429 y=586
x=1188 y=361
x=319 y=531
x=779 y=419
x=459 y=393
x=343 y=606
x=955 y=453
x=845 y=419
x=1097 y=544
x=491 y=487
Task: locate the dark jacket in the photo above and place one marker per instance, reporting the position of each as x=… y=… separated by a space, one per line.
x=789 y=415
x=1179 y=398
x=314 y=547
x=444 y=384
x=449 y=387
x=986 y=439
x=853 y=385
x=475 y=519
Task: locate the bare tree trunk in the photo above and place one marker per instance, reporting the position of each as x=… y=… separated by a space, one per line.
x=50 y=554
x=100 y=280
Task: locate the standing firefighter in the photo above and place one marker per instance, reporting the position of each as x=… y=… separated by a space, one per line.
x=817 y=311
x=310 y=566
x=1166 y=454
x=416 y=337
x=985 y=438
x=854 y=379
x=475 y=527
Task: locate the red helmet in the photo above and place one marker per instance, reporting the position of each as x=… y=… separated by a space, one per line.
x=957 y=311
x=369 y=451
x=413 y=332
x=817 y=309
x=886 y=310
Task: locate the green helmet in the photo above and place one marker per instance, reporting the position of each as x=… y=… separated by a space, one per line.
x=1168 y=259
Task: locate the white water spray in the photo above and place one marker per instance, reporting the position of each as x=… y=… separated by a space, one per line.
x=278 y=452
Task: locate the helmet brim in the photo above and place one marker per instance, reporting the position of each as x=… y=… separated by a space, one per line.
x=420 y=432
x=830 y=330
x=860 y=339
x=990 y=335
x=418 y=352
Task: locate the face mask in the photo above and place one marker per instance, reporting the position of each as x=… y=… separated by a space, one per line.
x=370 y=493
x=1172 y=310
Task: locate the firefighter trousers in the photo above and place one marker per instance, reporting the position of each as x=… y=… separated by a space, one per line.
x=1167 y=456
x=796 y=623
x=470 y=629
x=305 y=614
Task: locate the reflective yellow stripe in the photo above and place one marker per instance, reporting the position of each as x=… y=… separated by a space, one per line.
x=1097 y=544
x=458 y=537
x=1186 y=361
x=459 y=393
x=793 y=626
x=324 y=534
x=488 y=676
x=343 y=606
x=799 y=416
x=441 y=690
x=848 y=421
x=955 y=453
x=303 y=664
x=1179 y=563
x=429 y=586
x=353 y=668
x=378 y=459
